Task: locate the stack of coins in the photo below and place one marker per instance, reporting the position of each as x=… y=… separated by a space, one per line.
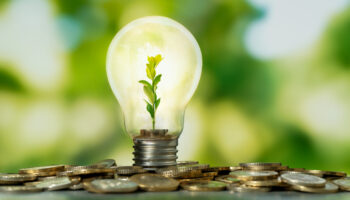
x=106 y=177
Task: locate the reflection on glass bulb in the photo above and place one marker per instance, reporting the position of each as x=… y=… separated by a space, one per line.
x=180 y=68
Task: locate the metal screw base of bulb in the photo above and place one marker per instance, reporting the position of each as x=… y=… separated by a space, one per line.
x=155 y=152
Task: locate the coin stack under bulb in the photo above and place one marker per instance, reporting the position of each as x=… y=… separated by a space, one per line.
x=106 y=177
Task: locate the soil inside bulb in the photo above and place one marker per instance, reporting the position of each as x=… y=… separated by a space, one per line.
x=155 y=133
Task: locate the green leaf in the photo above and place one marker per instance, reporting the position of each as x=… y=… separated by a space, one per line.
x=145 y=83
x=149 y=74
x=157 y=103
x=148 y=91
x=151 y=60
x=156 y=80
x=153 y=73
x=157 y=59
x=150 y=110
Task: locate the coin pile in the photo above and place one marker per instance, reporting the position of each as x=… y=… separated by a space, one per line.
x=106 y=177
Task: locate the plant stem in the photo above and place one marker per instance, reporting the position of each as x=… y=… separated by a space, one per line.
x=154 y=106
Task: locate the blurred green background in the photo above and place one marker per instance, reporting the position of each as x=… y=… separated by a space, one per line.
x=275 y=84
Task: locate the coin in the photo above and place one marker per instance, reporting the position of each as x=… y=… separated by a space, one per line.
x=254 y=164
x=92 y=177
x=264 y=183
x=334 y=174
x=261 y=166
x=343 y=183
x=186 y=162
x=110 y=186
x=303 y=179
x=321 y=173
x=58 y=183
x=297 y=169
x=247 y=189
x=106 y=163
x=209 y=178
x=193 y=167
x=202 y=185
x=235 y=168
x=314 y=172
x=88 y=171
x=217 y=169
x=9 y=179
x=78 y=186
x=46 y=178
x=130 y=170
x=122 y=177
x=19 y=189
x=155 y=182
x=42 y=169
x=328 y=188
x=209 y=174
x=182 y=168
x=176 y=172
x=254 y=175
x=227 y=179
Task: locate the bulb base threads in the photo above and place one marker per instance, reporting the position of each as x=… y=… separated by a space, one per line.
x=155 y=152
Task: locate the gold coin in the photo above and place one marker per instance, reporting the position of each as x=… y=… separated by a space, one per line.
x=129 y=170
x=217 y=169
x=110 y=186
x=260 y=166
x=227 y=179
x=334 y=174
x=155 y=182
x=202 y=185
x=321 y=173
x=19 y=189
x=343 y=183
x=235 y=168
x=209 y=178
x=42 y=169
x=33 y=183
x=297 y=169
x=10 y=179
x=187 y=162
x=209 y=174
x=106 y=163
x=265 y=183
x=58 y=183
x=314 y=172
x=328 y=188
x=179 y=172
x=245 y=175
x=247 y=189
x=88 y=171
x=303 y=179
x=46 y=178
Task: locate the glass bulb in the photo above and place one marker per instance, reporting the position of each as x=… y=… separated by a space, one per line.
x=180 y=68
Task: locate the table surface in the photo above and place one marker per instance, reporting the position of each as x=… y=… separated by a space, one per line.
x=68 y=195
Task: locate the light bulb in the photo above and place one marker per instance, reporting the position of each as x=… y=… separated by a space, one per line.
x=155 y=138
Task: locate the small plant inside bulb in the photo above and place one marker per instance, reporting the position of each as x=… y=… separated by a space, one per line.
x=152 y=101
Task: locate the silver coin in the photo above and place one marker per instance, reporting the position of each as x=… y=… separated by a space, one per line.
x=20 y=189
x=303 y=179
x=58 y=183
x=247 y=189
x=111 y=186
x=343 y=183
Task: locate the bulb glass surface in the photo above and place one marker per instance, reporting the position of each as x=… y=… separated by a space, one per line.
x=180 y=68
